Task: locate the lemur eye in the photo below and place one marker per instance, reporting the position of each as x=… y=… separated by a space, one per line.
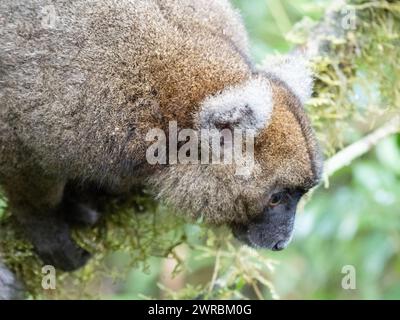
x=276 y=199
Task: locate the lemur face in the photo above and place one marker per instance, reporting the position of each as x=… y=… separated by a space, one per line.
x=273 y=227
x=290 y=163
x=259 y=207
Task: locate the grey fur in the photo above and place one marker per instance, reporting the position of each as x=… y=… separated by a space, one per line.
x=10 y=287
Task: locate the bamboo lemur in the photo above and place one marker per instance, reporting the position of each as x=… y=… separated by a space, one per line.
x=78 y=83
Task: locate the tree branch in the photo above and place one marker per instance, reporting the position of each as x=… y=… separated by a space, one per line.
x=344 y=157
x=319 y=45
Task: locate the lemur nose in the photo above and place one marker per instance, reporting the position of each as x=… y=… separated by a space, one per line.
x=280 y=245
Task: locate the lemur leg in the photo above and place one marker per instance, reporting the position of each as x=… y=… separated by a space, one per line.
x=36 y=201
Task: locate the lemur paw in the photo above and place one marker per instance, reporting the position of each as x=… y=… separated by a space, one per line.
x=51 y=238
x=66 y=256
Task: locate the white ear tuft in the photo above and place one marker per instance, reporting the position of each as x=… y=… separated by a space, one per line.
x=245 y=106
x=295 y=71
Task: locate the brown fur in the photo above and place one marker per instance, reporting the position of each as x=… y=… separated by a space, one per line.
x=96 y=84
x=76 y=101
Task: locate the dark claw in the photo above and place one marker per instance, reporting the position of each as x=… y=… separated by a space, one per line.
x=80 y=214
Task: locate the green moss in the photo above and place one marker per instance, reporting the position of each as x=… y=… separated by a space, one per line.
x=132 y=234
x=357 y=80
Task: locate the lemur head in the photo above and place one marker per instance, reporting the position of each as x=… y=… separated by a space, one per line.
x=260 y=206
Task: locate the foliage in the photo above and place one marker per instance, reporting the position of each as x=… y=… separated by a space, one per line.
x=356 y=90
x=128 y=234
x=127 y=239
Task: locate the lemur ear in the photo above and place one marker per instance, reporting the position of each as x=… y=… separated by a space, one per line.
x=245 y=106
x=295 y=71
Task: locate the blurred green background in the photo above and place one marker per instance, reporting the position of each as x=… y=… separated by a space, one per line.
x=356 y=221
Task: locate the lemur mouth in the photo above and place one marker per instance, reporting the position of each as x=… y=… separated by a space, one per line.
x=242 y=233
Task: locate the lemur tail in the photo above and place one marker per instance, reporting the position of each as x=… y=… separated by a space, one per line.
x=10 y=287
